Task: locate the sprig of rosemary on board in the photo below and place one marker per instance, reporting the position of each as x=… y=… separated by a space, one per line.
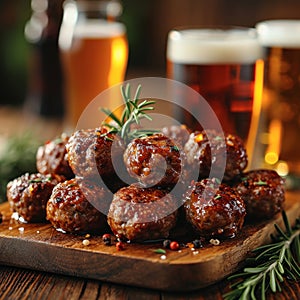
x=134 y=110
x=270 y=266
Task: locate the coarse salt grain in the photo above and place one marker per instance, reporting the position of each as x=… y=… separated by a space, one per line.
x=21 y=229
x=215 y=242
x=10 y=228
x=85 y=242
x=37 y=231
x=163 y=257
x=195 y=252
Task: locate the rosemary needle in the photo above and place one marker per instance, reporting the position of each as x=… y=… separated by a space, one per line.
x=133 y=112
x=270 y=266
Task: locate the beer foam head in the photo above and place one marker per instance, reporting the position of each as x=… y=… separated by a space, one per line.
x=207 y=46
x=280 y=33
x=98 y=29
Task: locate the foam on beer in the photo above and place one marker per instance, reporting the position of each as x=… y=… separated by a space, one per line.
x=205 y=46
x=98 y=29
x=279 y=33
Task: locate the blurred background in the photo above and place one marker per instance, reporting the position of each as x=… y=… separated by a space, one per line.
x=147 y=22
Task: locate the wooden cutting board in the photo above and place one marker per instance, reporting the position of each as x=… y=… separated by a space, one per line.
x=40 y=247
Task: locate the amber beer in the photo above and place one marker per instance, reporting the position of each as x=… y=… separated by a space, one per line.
x=94 y=55
x=280 y=129
x=222 y=65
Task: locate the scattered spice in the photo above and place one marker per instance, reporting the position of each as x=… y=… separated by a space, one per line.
x=120 y=246
x=87 y=236
x=159 y=251
x=166 y=244
x=1 y=218
x=85 y=242
x=106 y=238
x=174 y=246
x=214 y=242
x=197 y=244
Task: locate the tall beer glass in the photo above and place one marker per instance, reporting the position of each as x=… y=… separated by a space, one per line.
x=279 y=140
x=94 y=53
x=224 y=65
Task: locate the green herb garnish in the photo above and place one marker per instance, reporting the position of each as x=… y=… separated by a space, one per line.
x=134 y=110
x=159 y=251
x=270 y=266
x=260 y=182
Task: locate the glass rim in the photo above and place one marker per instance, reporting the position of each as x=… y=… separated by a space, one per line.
x=279 y=32
x=187 y=32
x=107 y=7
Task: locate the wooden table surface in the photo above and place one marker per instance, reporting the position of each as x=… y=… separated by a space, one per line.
x=17 y=284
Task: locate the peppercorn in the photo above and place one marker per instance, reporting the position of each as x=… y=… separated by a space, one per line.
x=166 y=243
x=120 y=246
x=197 y=244
x=106 y=238
x=174 y=245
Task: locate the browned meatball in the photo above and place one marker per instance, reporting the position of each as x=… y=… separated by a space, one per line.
x=70 y=208
x=179 y=134
x=140 y=214
x=28 y=195
x=154 y=161
x=263 y=193
x=52 y=157
x=214 y=210
x=212 y=152
x=93 y=153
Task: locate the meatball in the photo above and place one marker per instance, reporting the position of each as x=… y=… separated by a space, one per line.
x=140 y=214
x=262 y=192
x=154 y=161
x=93 y=153
x=214 y=210
x=72 y=207
x=179 y=134
x=52 y=157
x=207 y=147
x=28 y=195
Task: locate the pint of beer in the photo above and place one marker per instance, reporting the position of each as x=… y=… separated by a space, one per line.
x=94 y=53
x=224 y=66
x=279 y=138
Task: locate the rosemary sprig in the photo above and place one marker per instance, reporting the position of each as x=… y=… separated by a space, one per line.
x=134 y=110
x=270 y=266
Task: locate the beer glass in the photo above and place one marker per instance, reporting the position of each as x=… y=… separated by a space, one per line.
x=94 y=52
x=279 y=139
x=225 y=66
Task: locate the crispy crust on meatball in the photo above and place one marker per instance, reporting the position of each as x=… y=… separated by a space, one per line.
x=179 y=134
x=140 y=214
x=203 y=151
x=69 y=208
x=154 y=161
x=29 y=193
x=214 y=210
x=52 y=157
x=91 y=153
x=263 y=193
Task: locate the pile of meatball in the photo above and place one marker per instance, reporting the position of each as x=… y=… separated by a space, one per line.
x=92 y=181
